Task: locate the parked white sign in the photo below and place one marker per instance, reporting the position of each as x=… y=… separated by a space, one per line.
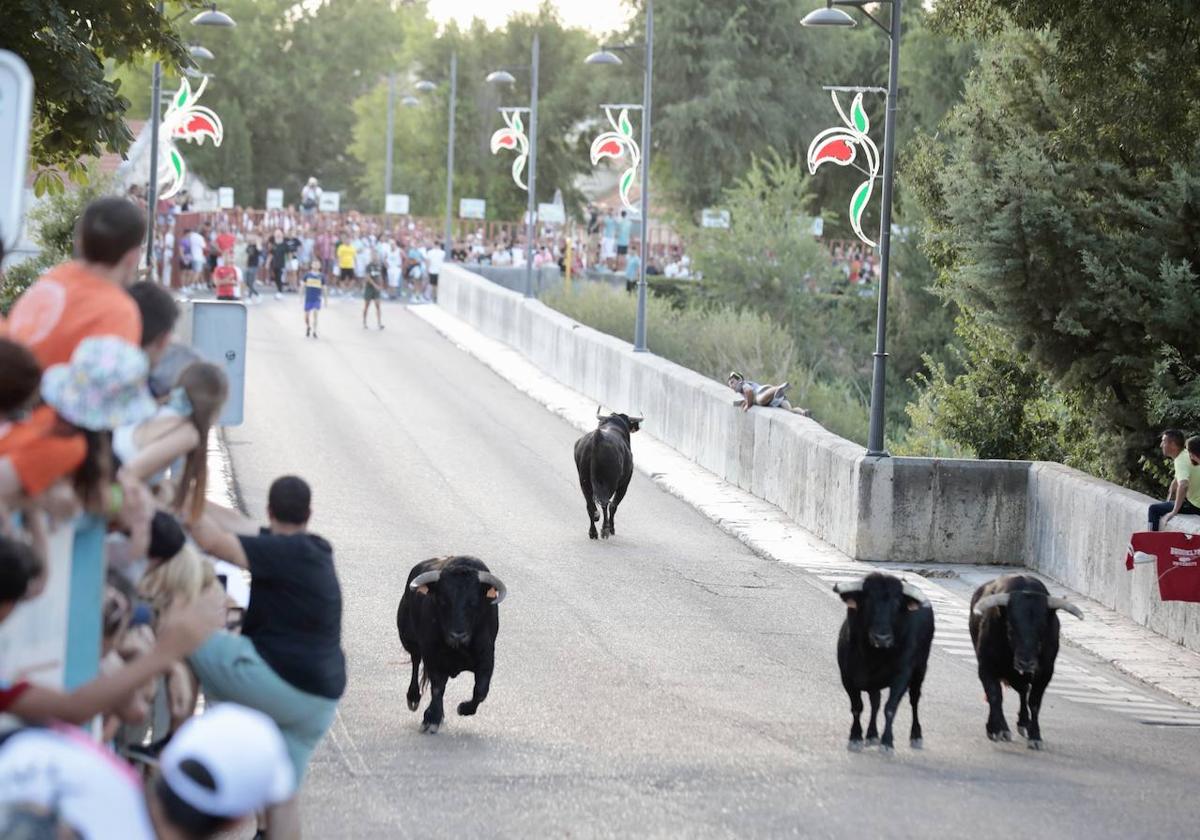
x=396 y=204
x=472 y=208
x=16 y=108
x=225 y=198
x=274 y=199
x=331 y=202
x=710 y=217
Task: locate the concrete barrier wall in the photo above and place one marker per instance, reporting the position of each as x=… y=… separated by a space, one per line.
x=900 y=509
x=1063 y=523
x=1078 y=532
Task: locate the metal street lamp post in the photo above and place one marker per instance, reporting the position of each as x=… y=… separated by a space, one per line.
x=607 y=56
x=830 y=17
x=504 y=77
x=428 y=87
x=208 y=18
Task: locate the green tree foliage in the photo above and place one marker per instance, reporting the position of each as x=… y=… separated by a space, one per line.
x=1079 y=266
x=293 y=70
x=1129 y=70
x=735 y=79
x=568 y=96
x=78 y=112
x=51 y=226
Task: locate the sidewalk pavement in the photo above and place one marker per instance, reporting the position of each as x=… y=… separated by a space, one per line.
x=1127 y=646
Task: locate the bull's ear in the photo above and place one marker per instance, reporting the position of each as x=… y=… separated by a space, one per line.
x=913 y=606
x=492 y=594
x=851 y=601
x=422 y=590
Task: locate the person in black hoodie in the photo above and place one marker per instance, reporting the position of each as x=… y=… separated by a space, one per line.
x=288 y=661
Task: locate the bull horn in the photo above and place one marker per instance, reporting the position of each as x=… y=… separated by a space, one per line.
x=424 y=579
x=489 y=579
x=988 y=601
x=913 y=592
x=850 y=587
x=599 y=411
x=1056 y=603
x=636 y=419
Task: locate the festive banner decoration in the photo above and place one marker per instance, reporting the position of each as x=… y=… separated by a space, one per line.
x=616 y=144
x=184 y=120
x=839 y=145
x=512 y=136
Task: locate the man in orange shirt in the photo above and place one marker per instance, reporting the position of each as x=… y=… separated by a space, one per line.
x=85 y=297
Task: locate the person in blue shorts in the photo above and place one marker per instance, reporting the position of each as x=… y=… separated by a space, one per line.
x=314 y=293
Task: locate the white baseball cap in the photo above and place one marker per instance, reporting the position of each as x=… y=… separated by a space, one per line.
x=243 y=750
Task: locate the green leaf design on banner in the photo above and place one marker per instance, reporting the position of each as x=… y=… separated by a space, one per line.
x=177 y=163
x=627 y=179
x=517 y=124
x=182 y=97
x=626 y=126
x=859 y=115
x=859 y=203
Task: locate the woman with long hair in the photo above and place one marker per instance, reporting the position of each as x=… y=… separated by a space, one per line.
x=176 y=438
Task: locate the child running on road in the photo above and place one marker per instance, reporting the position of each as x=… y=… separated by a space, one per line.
x=314 y=291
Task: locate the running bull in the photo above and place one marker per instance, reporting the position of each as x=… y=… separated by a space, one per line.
x=884 y=643
x=448 y=620
x=1014 y=627
x=605 y=463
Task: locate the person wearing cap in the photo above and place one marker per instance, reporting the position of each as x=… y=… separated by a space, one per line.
x=218 y=770
x=752 y=394
x=102 y=387
x=288 y=661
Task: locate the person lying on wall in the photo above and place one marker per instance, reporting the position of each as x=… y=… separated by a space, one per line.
x=767 y=396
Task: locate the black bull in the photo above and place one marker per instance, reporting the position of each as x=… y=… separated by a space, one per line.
x=604 y=460
x=448 y=620
x=1014 y=627
x=884 y=643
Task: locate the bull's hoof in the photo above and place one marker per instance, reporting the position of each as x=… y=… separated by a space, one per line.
x=413 y=702
x=430 y=728
x=604 y=533
x=1035 y=744
x=886 y=749
x=467 y=708
x=917 y=743
x=855 y=745
x=1002 y=735
x=1021 y=728
x=592 y=532
x=872 y=740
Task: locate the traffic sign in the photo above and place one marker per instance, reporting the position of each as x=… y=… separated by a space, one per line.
x=16 y=110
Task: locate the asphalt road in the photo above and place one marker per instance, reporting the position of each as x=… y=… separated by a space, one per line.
x=665 y=683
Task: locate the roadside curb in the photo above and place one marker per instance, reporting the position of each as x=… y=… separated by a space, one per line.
x=765 y=529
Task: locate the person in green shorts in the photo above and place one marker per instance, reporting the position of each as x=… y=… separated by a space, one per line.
x=373 y=291
x=288 y=661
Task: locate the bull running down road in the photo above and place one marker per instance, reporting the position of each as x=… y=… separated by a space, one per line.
x=604 y=460
x=884 y=643
x=448 y=620
x=1014 y=627
x=670 y=683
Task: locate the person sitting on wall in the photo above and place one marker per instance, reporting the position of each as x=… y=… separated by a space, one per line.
x=768 y=396
x=1184 y=492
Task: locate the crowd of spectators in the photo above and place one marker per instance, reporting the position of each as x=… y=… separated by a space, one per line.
x=211 y=688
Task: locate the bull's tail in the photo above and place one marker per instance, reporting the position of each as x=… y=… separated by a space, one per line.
x=424 y=680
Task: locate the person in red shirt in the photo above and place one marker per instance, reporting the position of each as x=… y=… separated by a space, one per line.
x=227 y=278
x=85 y=297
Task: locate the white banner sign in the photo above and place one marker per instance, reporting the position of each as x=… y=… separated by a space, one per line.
x=552 y=214
x=710 y=217
x=472 y=208
x=274 y=199
x=225 y=198
x=331 y=202
x=396 y=204
x=16 y=104
x=818 y=226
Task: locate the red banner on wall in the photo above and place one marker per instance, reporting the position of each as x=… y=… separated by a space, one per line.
x=1175 y=555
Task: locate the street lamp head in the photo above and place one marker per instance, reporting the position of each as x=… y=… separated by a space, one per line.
x=500 y=77
x=828 y=16
x=603 y=57
x=425 y=86
x=410 y=101
x=193 y=73
x=200 y=52
x=213 y=18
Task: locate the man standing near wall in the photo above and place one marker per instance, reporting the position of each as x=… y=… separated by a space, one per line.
x=1184 y=493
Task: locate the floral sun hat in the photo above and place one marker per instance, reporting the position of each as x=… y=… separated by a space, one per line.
x=102 y=387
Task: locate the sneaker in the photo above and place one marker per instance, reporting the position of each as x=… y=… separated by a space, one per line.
x=279 y=296
x=314 y=333
x=381 y=326
x=307 y=332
